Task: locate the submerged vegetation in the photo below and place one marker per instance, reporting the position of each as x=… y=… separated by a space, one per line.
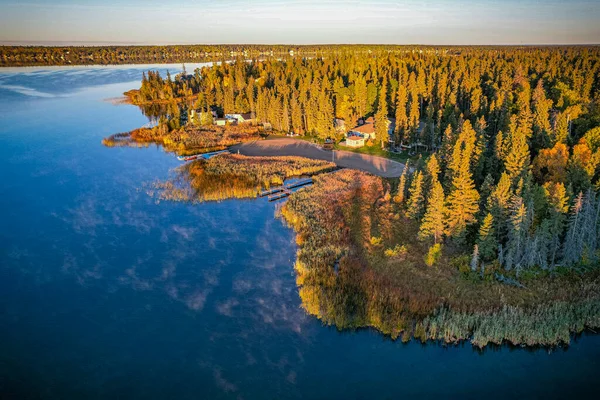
x=235 y=176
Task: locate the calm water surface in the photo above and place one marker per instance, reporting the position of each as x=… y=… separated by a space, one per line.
x=106 y=293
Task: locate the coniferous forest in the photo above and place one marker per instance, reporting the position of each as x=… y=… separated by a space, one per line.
x=500 y=188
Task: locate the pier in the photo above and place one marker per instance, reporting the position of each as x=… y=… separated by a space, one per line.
x=280 y=192
x=206 y=156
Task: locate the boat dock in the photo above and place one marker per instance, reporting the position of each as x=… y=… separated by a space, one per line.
x=280 y=192
x=206 y=156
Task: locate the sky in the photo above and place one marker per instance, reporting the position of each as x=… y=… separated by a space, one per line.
x=442 y=22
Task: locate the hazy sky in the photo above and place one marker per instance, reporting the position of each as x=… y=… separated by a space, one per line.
x=301 y=21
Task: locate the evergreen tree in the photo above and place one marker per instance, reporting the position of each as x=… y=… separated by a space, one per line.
x=573 y=247
x=488 y=245
x=517 y=158
x=561 y=128
x=401 y=116
x=401 y=193
x=416 y=200
x=541 y=116
x=381 y=117
x=520 y=222
x=463 y=200
x=433 y=224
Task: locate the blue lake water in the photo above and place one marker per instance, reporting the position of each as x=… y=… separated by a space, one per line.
x=105 y=293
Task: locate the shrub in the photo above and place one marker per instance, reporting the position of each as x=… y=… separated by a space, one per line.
x=396 y=252
x=376 y=241
x=433 y=255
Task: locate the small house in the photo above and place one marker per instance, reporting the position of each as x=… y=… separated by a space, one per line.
x=220 y=121
x=242 y=118
x=355 y=140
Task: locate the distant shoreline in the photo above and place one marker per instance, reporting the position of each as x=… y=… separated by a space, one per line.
x=25 y=54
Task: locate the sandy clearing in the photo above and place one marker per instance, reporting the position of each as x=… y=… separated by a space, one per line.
x=347 y=159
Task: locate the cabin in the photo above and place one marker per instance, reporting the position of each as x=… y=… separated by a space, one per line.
x=355 y=140
x=243 y=118
x=220 y=121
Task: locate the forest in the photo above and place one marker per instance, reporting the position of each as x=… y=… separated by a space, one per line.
x=506 y=197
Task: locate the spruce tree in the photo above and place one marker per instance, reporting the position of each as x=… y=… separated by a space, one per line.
x=433 y=224
x=416 y=200
x=488 y=245
x=401 y=193
x=517 y=159
x=381 y=117
x=573 y=246
x=401 y=116
x=463 y=200
x=541 y=116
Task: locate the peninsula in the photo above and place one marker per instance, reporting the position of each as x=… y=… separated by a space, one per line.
x=488 y=232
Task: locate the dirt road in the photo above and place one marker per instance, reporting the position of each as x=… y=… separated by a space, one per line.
x=294 y=147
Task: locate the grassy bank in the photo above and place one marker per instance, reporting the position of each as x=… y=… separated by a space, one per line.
x=235 y=176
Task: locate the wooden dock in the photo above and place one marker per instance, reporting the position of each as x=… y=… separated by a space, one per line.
x=279 y=195
x=284 y=191
x=206 y=156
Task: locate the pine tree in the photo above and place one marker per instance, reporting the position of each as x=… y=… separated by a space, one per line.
x=381 y=117
x=360 y=96
x=401 y=194
x=432 y=172
x=296 y=117
x=541 y=115
x=488 y=245
x=556 y=196
x=416 y=200
x=463 y=200
x=517 y=158
x=520 y=222
x=285 y=116
x=573 y=247
x=561 y=128
x=433 y=224
x=401 y=116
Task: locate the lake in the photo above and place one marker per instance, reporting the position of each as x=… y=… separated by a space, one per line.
x=107 y=293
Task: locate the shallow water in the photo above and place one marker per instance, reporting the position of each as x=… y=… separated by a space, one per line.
x=107 y=293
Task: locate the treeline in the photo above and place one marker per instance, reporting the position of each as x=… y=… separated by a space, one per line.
x=16 y=56
x=425 y=91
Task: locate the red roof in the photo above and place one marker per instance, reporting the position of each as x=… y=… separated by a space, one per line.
x=367 y=128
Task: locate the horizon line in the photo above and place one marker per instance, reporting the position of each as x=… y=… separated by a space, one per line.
x=100 y=43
